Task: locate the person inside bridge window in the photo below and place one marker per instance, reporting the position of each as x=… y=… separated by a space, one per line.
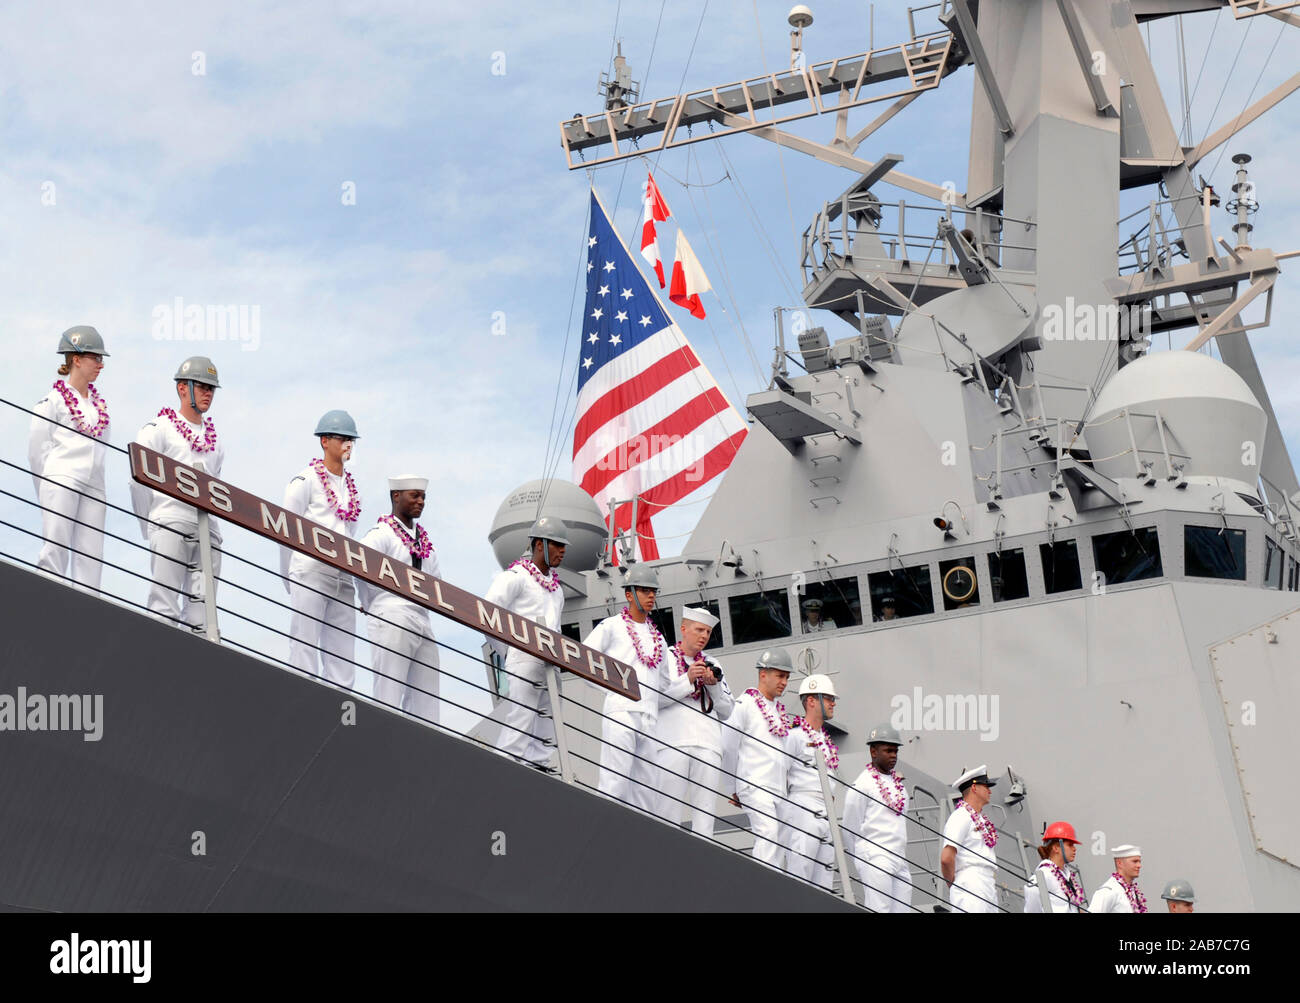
x=813 y=621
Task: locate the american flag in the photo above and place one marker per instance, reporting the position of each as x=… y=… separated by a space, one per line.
x=651 y=421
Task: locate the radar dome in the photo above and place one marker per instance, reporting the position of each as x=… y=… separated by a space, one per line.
x=564 y=500
x=1210 y=414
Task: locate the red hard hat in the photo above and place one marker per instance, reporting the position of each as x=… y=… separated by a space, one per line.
x=1060 y=830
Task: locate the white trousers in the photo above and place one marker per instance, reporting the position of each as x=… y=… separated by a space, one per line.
x=173 y=582
x=807 y=836
x=405 y=661
x=627 y=760
x=887 y=886
x=760 y=806
x=692 y=774
x=60 y=505
x=526 y=725
x=334 y=638
x=973 y=890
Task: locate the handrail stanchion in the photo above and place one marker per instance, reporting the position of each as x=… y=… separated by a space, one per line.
x=833 y=818
x=209 y=580
x=557 y=719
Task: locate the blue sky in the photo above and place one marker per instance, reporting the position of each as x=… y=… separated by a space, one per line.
x=226 y=187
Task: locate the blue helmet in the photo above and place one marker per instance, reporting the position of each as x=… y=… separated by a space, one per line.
x=338 y=423
x=81 y=339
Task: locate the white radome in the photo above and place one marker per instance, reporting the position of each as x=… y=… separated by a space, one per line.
x=1209 y=410
x=565 y=500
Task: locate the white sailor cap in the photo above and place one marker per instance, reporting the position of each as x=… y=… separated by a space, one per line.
x=977 y=774
x=699 y=616
x=408 y=482
x=815 y=604
x=1125 y=850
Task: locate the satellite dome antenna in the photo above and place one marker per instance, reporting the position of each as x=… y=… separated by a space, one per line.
x=800 y=17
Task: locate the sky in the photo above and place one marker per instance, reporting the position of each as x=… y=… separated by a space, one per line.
x=383 y=182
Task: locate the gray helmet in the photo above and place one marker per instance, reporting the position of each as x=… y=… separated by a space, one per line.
x=885 y=735
x=776 y=658
x=641 y=576
x=550 y=528
x=199 y=369
x=81 y=339
x=1178 y=890
x=338 y=423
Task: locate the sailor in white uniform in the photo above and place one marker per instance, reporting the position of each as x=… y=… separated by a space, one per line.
x=188 y=437
x=695 y=699
x=1179 y=896
x=754 y=752
x=1120 y=892
x=404 y=656
x=969 y=858
x=813 y=623
x=65 y=452
x=530 y=587
x=324 y=618
x=1055 y=873
x=875 y=815
x=629 y=752
x=810 y=852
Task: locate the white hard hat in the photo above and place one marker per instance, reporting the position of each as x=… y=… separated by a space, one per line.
x=817 y=685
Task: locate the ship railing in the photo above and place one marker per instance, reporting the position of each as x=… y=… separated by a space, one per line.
x=858 y=228
x=1160 y=240
x=110 y=562
x=940 y=10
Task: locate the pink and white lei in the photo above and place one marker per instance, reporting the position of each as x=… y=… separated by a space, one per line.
x=898 y=798
x=1072 y=885
x=1135 y=897
x=779 y=728
x=353 y=511
x=820 y=738
x=182 y=426
x=983 y=825
x=683 y=667
x=550 y=584
x=70 y=401
x=419 y=547
x=630 y=624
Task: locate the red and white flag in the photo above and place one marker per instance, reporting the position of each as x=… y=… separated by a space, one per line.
x=689 y=279
x=656 y=209
x=652 y=423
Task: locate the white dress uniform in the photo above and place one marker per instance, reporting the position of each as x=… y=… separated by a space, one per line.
x=974 y=888
x=318 y=591
x=757 y=757
x=806 y=831
x=879 y=840
x=690 y=757
x=404 y=656
x=174 y=553
x=629 y=751
x=819 y=626
x=1110 y=896
x=526 y=724
x=75 y=463
x=1058 y=896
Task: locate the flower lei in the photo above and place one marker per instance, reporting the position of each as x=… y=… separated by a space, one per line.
x=779 y=728
x=1135 y=897
x=70 y=401
x=895 y=800
x=820 y=738
x=419 y=547
x=683 y=668
x=349 y=514
x=983 y=825
x=549 y=584
x=1070 y=882
x=209 y=442
x=636 y=642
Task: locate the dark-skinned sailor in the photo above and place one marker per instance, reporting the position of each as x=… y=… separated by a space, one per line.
x=404 y=655
x=875 y=815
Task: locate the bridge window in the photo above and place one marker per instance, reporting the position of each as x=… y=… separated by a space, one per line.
x=905 y=592
x=760 y=616
x=1273 y=558
x=666 y=622
x=1129 y=556
x=1007 y=576
x=1060 y=566
x=959 y=584
x=1214 y=552
x=1295 y=576
x=715 y=639
x=830 y=605
x=573 y=631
